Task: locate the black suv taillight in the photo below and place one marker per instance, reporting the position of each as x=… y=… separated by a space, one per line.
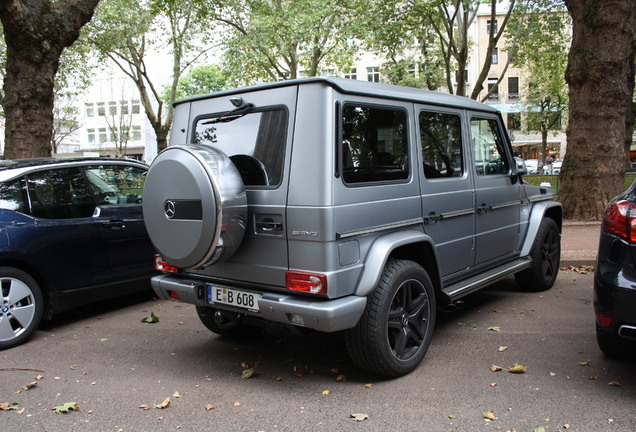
x=620 y=219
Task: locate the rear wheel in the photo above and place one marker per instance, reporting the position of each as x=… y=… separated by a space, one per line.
x=396 y=327
x=21 y=308
x=615 y=346
x=546 y=257
x=225 y=323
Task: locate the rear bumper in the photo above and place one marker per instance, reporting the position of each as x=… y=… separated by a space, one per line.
x=323 y=315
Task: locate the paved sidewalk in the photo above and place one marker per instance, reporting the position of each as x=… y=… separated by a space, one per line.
x=579 y=243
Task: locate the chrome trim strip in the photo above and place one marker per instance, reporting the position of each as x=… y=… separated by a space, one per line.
x=506 y=204
x=410 y=222
x=458 y=213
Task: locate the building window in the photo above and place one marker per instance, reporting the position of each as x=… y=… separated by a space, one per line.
x=123 y=107
x=112 y=108
x=113 y=135
x=495 y=55
x=373 y=74
x=329 y=73
x=488 y=25
x=353 y=74
x=101 y=109
x=465 y=75
x=135 y=107
x=102 y=135
x=513 y=88
x=493 y=89
x=91 y=136
x=136 y=133
x=90 y=109
x=513 y=121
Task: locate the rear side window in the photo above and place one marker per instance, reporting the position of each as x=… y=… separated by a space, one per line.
x=13 y=196
x=255 y=142
x=60 y=194
x=374 y=144
x=116 y=184
x=441 y=145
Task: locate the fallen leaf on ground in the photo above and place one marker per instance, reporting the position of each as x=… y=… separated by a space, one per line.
x=176 y=395
x=585 y=363
x=247 y=373
x=452 y=416
x=614 y=384
x=209 y=407
x=65 y=408
x=539 y=429
x=490 y=415
x=9 y=406
x=237 y=404
x=503 y=348
x=150 y=319
x=163 y=404
x=341 y=378
x=325 y=392
x=517 y=368
x=368 y=385
x=359 y=417
x=145 y=407
x=494 y=328
x=27 y=387
x=495 y=368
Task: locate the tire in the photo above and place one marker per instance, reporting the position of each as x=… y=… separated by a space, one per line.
x=228 y=324
x=615 y=346
x=21 y=309
x=396 y=327
x=546 y=257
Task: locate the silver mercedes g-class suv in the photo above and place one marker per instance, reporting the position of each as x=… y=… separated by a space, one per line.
x=342 y=205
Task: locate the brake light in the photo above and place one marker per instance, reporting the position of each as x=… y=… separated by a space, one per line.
x=603 y=320
x=620 y=219
x=163 y=266
x=310 y=283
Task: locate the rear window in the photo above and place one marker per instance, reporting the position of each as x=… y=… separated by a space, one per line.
x=255 y=142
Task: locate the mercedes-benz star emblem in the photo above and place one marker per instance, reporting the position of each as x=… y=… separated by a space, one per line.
x=169 y=209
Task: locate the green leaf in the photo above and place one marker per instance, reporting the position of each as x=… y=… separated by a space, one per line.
x=150 y=319
x=65 y=408
x=539 y=429
x=247 y=373
x=585 y=363
x=452 y=416
x=9 y=406
x=494 y=328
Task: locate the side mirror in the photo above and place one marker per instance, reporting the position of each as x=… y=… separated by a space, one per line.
x=520 y=166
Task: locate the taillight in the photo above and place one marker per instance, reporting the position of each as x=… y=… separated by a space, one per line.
x=163 y=266
x=620 y=219
x=310 y=283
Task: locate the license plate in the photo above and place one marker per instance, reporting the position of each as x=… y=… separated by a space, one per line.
x=233 y=297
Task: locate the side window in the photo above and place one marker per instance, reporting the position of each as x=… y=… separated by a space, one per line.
x=116 y=184
x=60 y=194
x=488 y=147
x=374 y=144
x=255 y=142
x=441 y=145
x=13 y=196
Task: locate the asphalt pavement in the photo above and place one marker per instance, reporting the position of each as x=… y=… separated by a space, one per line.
x=121 y=374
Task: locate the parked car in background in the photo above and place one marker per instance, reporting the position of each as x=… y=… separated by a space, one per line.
x=71 y=233
x=556 y=166
x=615 y=278
x=533 y=166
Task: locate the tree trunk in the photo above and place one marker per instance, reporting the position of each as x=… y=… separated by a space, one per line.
x=36 y=32
x=598 y=74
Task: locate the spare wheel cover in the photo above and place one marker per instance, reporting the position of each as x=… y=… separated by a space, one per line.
x=190 y=193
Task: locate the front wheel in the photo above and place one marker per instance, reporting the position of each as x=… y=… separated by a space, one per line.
x=396 y=327
x=21 y=308
x=546 y=257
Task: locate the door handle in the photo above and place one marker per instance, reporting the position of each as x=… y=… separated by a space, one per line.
x=115 y=224
x=432 y=218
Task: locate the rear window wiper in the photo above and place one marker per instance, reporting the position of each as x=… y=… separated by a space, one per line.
x=232 y=115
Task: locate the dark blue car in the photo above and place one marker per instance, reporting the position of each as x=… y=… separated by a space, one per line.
x=71 y=233
x=615 y=278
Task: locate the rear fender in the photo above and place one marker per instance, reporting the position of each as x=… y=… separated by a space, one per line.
x=384 y=247
x=541 y=210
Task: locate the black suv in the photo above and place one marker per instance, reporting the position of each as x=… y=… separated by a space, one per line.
x=71 y=233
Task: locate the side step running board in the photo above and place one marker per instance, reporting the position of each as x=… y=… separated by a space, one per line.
x=470 y=285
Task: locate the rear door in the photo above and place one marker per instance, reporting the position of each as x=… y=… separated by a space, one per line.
x=497 y=192
x=448 y=202
x=259 y=143
x=119 y=219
